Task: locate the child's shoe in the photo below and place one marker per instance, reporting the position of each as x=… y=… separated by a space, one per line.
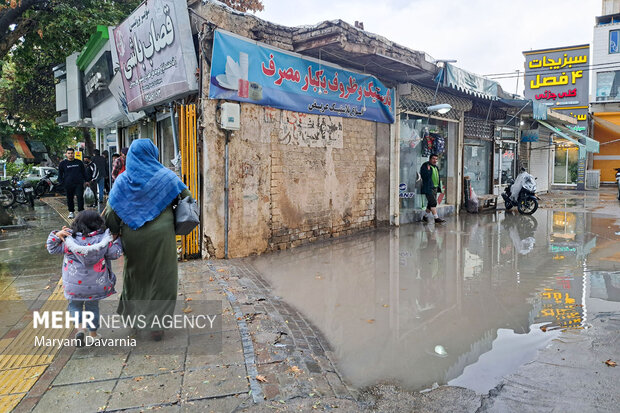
x=91 y=340
x=79 y=336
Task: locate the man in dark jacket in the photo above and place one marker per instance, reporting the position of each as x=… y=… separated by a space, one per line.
x=72 y=174
x=92 y=177
x=431 y=186
x=101 y=164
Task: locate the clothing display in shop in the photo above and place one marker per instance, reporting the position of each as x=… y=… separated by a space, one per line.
x=427 y=142
x=439 y=143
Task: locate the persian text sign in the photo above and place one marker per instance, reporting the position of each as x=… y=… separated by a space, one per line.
x=156 y=53
x=248 y=71
x=559 y=78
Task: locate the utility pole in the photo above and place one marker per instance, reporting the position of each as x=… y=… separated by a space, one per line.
x=517 y=88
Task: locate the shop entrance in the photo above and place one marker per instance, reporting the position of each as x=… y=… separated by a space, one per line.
x=477 y=164
x=565 y=167
x=419 y=137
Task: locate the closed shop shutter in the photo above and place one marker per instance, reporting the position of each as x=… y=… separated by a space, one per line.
x=539 y=164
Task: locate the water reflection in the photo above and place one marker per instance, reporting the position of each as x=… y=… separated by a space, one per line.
x=419 y=304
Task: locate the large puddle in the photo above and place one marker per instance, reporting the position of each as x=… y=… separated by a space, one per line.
x=464 y=303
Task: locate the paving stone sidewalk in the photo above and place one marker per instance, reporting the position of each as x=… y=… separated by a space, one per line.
x=270 y=356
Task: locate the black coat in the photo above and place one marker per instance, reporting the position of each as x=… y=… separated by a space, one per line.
x=427 y=178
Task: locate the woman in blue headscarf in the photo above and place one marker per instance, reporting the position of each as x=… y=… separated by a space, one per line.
x=139 y=210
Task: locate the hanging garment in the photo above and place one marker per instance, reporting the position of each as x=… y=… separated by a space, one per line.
x=439 y=144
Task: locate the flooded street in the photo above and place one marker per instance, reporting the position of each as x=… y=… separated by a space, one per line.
x=465 y=303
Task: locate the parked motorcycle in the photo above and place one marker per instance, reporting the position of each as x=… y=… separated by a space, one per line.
x=16 y=190
x=46 y=185
x=522 y=231
x=7 y=198
x=24 y=192
x=522 y=194
x=618 y=180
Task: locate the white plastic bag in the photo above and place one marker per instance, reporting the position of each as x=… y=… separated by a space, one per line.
x=89 y=196
x=473 y=203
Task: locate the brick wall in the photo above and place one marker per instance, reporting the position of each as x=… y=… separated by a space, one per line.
x=282 y=193
x=318 y=193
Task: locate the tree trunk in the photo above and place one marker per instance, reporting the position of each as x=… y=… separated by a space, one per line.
x=88 y=141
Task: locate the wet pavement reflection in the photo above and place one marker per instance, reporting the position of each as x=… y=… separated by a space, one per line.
x=464 y=303
x=25 y=265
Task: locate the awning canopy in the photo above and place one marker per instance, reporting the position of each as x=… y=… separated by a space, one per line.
x=21 y=147
x=605 y=124
x=590 y=144
x=470 y=83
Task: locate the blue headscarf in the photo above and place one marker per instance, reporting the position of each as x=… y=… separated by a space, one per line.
x=146 y=187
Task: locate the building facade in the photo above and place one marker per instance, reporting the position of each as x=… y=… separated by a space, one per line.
x=605 y=102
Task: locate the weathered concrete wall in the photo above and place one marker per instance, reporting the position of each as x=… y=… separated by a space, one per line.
x=293 y=178
x=382 y=187
x=323 y=192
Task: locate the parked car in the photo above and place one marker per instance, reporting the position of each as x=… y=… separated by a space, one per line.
x=40 y=172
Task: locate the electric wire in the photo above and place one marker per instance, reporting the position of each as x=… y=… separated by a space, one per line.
x=520 y=74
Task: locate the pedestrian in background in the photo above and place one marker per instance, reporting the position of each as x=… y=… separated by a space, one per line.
x=106 y=156
x=140 y=210
x=87 y=276
x=92 y=176
x=72 y=175
x=119 y=164
x=431 y=186
x=101 y=164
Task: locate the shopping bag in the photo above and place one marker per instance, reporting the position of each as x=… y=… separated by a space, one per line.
x=89 y=196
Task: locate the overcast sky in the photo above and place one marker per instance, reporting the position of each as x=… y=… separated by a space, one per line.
x=484 y=36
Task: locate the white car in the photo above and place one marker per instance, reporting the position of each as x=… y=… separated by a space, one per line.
x=39 y=172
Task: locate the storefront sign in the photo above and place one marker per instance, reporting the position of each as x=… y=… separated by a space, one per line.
x=581 y=174
x=248 y=71
x=156 y=53
x=559 y=78
x=97 y=79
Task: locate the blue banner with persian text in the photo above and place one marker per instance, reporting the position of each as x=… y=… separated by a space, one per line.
x=248 y=71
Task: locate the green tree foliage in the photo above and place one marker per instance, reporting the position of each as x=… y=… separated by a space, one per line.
x=35 y=36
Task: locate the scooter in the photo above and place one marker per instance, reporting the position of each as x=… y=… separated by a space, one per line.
x=618 y=180
x=521 y=193
x=46 y=185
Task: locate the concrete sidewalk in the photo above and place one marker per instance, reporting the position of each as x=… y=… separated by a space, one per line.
x=269 y=351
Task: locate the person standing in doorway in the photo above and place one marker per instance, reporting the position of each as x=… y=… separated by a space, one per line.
x=431 y=186
x=72 y=174
x=101 y=164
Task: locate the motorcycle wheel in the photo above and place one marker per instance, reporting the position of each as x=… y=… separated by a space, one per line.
x=21 y=197
x=528 y=205
x=6 y=198
x=40 y=189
